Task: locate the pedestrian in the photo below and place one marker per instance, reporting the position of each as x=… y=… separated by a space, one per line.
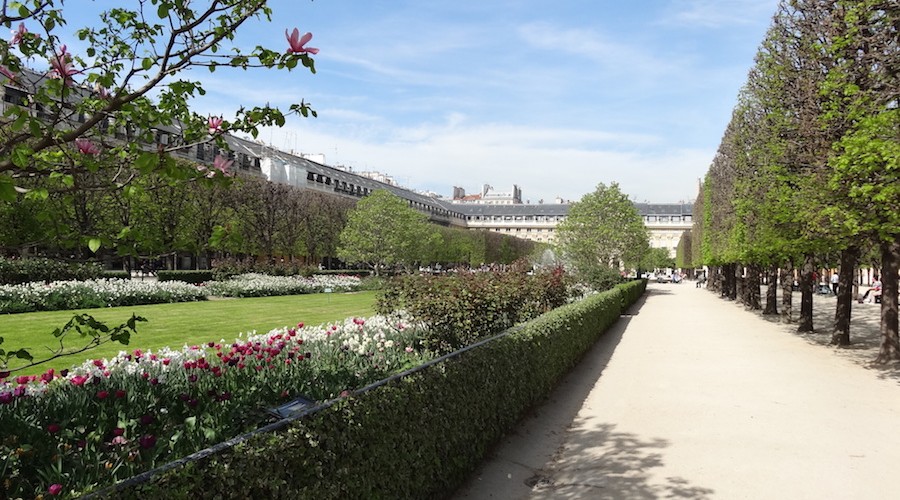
x=834 y=282
x=876 y=287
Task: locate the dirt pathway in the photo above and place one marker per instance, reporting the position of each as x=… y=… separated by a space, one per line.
x=693 y=397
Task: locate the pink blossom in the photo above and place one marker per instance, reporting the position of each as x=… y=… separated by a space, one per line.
x=61 y=66
x=6 y=398
x=55 y=489
x=7 y=73
x=18 y=35
x=296 y=43
x=215 y=124
x=222 y=165
x=101 y=395
x=86 y=147
x=78 y=380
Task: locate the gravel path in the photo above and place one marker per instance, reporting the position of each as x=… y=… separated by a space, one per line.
x=693 y=397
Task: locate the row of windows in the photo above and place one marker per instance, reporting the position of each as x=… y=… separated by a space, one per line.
x=527 y=218
x=667 y=218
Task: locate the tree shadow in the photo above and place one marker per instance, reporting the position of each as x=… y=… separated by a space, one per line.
x=865 y=332
x=600 y=462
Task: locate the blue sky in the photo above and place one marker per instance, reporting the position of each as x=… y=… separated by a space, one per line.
x=553 y=96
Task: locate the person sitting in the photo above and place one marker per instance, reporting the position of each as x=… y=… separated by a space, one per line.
x=874 y=291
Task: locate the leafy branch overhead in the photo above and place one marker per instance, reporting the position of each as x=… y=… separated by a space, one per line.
x=65 y=119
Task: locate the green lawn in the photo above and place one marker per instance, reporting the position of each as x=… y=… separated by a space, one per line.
x=184 y=323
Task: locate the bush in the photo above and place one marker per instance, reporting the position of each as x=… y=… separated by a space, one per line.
x=116 y=275
x=190 y=276
x=462 y=308
x=32 y=269
x=345 y=272
x=416 y=436
x=226 y=268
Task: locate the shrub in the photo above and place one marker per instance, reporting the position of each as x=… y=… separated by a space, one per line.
x=190 y=276
x=31 y=269
x=226 y=268
x=461 y=308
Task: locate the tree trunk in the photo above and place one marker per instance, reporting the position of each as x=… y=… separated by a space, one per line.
x=787 y=292
x=740 y=284
x=806 y=295
x=841 y=333
x=752 y=284
x=890 y=266
x=772 y=291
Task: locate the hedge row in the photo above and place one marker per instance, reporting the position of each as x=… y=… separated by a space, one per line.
x=31 y=269
x=417 y=436
x=189 y=276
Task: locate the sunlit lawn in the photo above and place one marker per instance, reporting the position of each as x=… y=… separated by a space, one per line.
x=175 y=325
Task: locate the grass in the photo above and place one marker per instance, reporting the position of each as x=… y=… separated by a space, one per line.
x=175 y=325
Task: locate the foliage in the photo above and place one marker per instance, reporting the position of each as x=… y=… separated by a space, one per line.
x=67 y=120
x=656 y=258
x=602 y=230
x=190 y=276
x=384 y=231
x=109 y=419
x=418 y=436
x=59 y=295
x=459 y=309
x=25 y=270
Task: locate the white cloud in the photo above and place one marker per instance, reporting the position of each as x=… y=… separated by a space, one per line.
x=717 y=13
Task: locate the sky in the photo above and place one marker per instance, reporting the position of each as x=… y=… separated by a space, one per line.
x=555 y=97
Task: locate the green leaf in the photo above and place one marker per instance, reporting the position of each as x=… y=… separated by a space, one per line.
x=7 y=189
x=147 y=63
x=163 y=11
x=146 y=161
x=94 y=244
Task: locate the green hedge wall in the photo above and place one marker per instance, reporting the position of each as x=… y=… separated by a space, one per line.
x=25 y=270
x=188 y=276
x=417 y=436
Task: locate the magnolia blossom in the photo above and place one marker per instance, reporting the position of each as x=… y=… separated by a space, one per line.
x=222 y=165
x=215 y=124
x=18 y=34
x=101 y=90
x=61 y=66
x=296 y=43
x=7 y=73
x=86 y=147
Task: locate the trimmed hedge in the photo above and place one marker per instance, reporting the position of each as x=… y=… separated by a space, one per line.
x=417 y=436
x=116 y=275
x=345 y=272
x=36 y=269
x=189 y=276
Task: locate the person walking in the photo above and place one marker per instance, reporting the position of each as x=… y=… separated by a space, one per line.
x=834 y=282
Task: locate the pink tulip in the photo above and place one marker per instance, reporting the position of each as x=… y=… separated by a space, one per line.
x=215 y=124
x=61 y=66
x=55 y=489
x=296 y=43
x=18 y=35
x=78 y=380
x=86 y=147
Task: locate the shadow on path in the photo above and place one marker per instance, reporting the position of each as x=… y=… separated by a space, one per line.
x=612 y=464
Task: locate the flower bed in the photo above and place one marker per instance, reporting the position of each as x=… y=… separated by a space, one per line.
x=110 y=419
x=261 y=285
x=59 y=295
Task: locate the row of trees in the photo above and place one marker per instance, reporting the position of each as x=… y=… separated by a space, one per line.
x=809 y=166
x=383 y=231
x=156 y=216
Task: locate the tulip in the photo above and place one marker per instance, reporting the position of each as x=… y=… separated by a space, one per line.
x=296 y=43
x=147 y=441
x=55 y=489
x=101 y=395
x=53 y=428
